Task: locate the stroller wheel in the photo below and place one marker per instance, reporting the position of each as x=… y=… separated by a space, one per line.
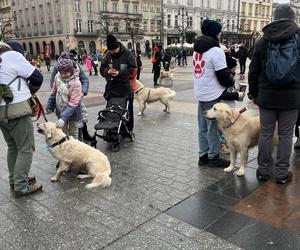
x=132 y=137
x=115 y=147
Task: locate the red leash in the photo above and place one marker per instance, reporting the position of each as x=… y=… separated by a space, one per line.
x=41 y=111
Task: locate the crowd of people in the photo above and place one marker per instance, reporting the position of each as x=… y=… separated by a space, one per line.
x=214 y=71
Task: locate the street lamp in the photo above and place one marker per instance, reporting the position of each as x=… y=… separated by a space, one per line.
x=184 y=14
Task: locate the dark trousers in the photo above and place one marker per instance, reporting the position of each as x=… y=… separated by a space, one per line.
x=286 y=120
x=96 y=70
x=243 y=66
x=297 y=126
x=156 y=74
x=138 y=74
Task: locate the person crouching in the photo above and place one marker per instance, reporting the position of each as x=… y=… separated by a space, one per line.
x=65 y=96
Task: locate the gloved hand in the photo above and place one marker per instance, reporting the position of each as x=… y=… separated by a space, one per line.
x=49 y=111
x=60 y=123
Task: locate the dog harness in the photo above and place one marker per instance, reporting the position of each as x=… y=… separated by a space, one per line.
x=142 y=89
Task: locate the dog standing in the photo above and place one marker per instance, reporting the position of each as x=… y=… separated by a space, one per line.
x=147 y=95
x=241 y=133
x=69 y=151
x=167 y=75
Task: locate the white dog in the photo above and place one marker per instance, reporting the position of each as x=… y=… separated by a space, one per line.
x=147 y=95
x=167 y=74
x=241 y=133
x=69 y=151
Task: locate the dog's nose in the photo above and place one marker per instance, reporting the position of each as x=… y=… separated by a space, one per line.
x=204 y=112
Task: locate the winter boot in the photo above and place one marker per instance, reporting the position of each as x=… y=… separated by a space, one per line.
x=85 y=134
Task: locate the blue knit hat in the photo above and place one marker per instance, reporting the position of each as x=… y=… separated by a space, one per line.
x=211 y=28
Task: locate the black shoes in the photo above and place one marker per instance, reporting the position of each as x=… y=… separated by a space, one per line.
x=288 y=178
x=85 y=133
x=30 y=180
x=216 y=162
x=156 y=85
x=29 y=189
x=262 y=177
x=203 y=160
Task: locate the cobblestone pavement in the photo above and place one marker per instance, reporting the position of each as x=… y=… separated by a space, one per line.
x=155 y=185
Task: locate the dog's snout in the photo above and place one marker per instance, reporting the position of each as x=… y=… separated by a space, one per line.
x=204 y=112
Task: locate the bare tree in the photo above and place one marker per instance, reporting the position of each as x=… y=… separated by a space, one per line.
x=5 y=28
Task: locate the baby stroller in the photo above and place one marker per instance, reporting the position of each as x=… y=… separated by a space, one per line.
x=112 y=120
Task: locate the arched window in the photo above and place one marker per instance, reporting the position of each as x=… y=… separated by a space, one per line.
x=80 y=46
x=38 y=49
x=60 y=46
x=24 y=47
x=92 y=47
x=30 y=48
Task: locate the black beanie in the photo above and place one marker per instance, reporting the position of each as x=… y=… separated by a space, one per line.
x=111 y=42
x=211 y=28
x=284 y=11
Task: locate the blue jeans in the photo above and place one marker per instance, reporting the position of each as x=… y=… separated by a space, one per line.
x=208 y=134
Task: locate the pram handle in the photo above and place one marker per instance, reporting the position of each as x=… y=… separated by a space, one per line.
x=123 y=117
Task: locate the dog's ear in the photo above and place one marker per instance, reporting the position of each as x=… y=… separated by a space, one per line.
x=229 y=115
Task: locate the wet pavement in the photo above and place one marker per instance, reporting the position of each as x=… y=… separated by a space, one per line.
x=159 y=197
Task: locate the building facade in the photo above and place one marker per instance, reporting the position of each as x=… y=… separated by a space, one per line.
x=61 y=25
x=254 y=15
x=295 y=4
x=182 y=16
x=6 y=20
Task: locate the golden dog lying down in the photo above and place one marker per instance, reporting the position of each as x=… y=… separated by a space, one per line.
x=147 y=95
x=69 y=151
x=241 y=133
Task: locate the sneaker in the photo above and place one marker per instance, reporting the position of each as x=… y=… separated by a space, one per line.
x=29 y=189
x=203 y=160
x=288 y=178
x=297 y=144
x=156 y=85
x=218 y=162
x=30 y=180
x=262 y=177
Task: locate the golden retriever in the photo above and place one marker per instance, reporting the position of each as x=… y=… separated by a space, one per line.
x=167 y=75
x=241 y=133
x=70 y=151
x=147 y=95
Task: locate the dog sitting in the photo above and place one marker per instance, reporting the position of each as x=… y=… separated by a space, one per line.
x=147 y=95
x=167 y=75
x=71 y=152
x=241 y=133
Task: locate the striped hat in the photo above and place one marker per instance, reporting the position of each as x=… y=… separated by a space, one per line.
x=65 y=64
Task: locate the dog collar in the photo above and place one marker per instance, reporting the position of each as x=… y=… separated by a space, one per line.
x=234 y=121
x=137 y=91
x=59 y=142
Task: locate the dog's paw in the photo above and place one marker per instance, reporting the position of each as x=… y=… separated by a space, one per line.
x=54 y=179
x=229 y=169
x=83 y=176
x=241 y=172
x=140 y=113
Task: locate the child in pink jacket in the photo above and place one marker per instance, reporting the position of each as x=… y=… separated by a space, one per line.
x=89 y=64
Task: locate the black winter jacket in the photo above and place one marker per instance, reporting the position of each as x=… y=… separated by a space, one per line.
x=125 y=63
x=268 y=95
x=205 y=43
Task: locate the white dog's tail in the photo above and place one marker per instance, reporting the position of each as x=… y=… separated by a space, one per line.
x=100 y=180
x=171 y=94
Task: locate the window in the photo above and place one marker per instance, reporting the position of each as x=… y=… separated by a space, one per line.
x=145 y=7
x=135 y=9
x=104 y=6
x=250 y=10
x=190 y=21
x=190 y=2
x=78 y=25
x=158 y=9
x=115 y=7
x=243 y=11
x=89 y=6
x=176 y=21
x=229 y=4
x=219 y=4
x=256 y=10
x=169 y=20
x=233 y=25
x=116 y=27
x=145 y=26
x=126 y=8
x=90 y=26
x=152 y=26
x=176 y=1
x=228 y=24
x=255 y=25
x=77 y=5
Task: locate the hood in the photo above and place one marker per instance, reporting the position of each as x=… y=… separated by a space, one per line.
x=280 y=30
x=15 y=46
x=204 y=43
x=122 y=49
